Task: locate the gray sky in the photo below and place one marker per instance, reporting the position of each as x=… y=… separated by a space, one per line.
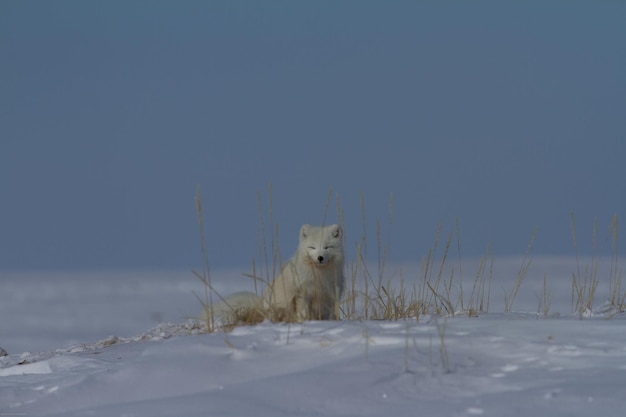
x=506 y=115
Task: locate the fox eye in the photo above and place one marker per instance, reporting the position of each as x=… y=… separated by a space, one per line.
x=312 y=247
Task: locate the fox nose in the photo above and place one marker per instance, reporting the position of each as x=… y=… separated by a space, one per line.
x=320 y=259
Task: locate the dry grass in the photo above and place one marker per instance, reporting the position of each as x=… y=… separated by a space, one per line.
x=546 y=299
x=617 y=297
x=372 y=293
x=584 y=287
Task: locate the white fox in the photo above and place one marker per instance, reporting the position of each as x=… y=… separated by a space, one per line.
x=311 y=283
x=308 y=287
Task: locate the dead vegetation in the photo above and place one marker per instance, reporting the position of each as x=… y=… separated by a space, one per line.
x=371 y=293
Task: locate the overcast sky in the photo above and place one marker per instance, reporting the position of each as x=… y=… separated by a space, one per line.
x=505 y=115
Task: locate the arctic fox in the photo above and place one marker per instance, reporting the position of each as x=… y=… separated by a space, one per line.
x=308 y=287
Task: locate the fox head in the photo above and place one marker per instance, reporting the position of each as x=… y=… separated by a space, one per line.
x=322 y=245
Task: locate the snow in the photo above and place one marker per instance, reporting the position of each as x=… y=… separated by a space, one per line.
x=497 y=364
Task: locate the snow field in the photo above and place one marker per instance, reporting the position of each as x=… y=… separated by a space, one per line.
x=514 y=364
x=496 y=365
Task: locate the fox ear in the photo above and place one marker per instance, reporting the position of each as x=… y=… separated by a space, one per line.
x=336 y=231
x=304 y=230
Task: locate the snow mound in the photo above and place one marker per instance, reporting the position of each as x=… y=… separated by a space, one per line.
x=500 y=364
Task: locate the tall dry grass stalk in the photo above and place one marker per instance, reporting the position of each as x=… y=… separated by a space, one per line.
x=546 y=299
x=443 y=351
x=510 y=298
x=458 y=250
x=481 y=288
x=205 y=275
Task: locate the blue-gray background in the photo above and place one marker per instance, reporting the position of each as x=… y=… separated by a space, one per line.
x=505 y=115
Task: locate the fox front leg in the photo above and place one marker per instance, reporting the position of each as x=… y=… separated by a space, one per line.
x=300 y=309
